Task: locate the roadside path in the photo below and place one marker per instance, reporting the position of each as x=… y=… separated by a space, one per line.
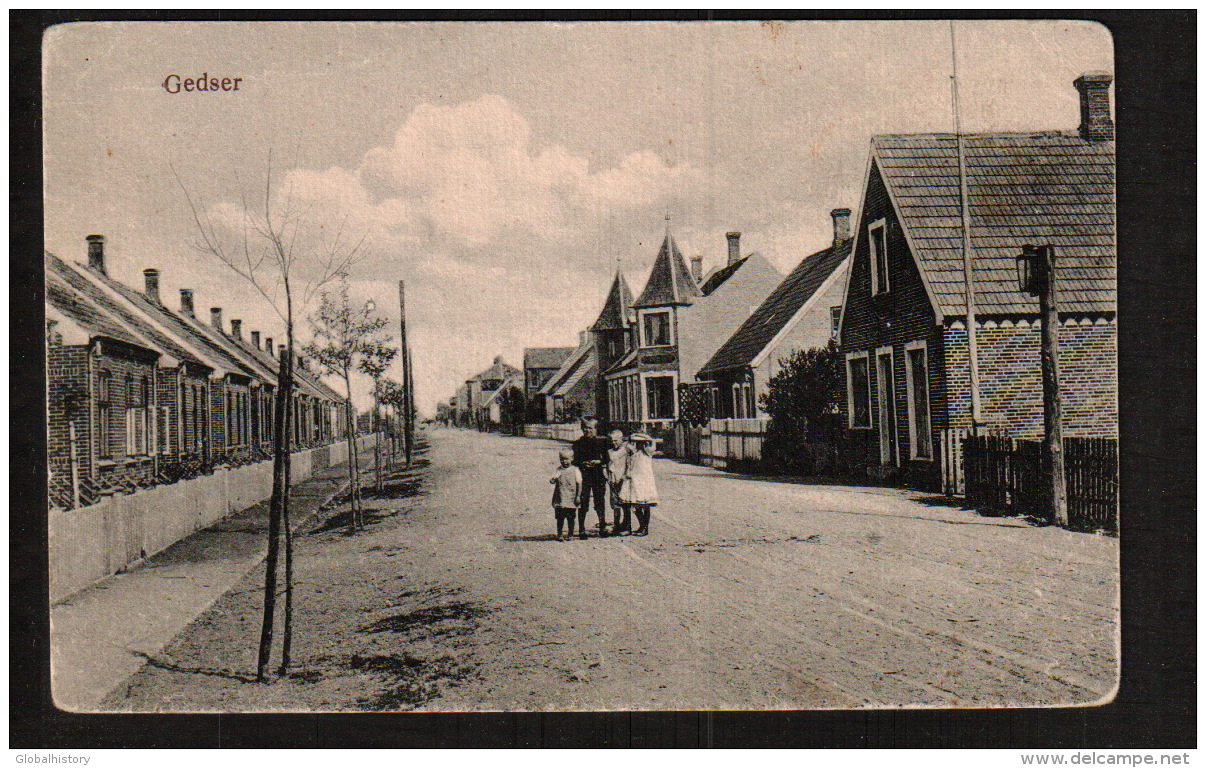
x=107 y=632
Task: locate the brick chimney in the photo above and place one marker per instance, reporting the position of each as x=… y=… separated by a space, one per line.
x=841 y=225
x=734 y=246
x=186 y=302
x=1095 y=122
x=271 y=350
x=150 y=278
x=255 y=339
x=236 y=329
x=215 y=318
x=697 y=268
x=96 y=253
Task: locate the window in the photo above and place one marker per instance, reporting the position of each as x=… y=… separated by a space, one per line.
x=878 y=240
x=738 y=411
x=858 y=390
x=136 y=431
x=104 y=427
x=751 y=412
x=659 y=394
x=835 y=321
x=657 y=329
x=917 y=377
x=886 y=405
x=161 y=430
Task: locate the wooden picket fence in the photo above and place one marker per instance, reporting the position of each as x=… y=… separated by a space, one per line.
x=1005 y=475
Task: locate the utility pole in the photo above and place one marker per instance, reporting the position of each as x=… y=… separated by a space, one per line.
x=1041 y=265
x=408 y=429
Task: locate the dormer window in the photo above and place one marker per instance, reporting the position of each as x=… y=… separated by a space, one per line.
x=877 y=239
x=656 y=327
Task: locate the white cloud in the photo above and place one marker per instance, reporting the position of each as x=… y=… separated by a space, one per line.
x=503 y=244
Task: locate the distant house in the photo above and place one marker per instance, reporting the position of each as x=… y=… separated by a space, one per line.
x=801 y=313
x=676 y=324
x=571 y=391
x=903 y=328
x=539 y=365
x=482 y=388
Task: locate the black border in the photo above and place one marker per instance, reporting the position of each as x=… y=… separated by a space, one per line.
x=1156 y=90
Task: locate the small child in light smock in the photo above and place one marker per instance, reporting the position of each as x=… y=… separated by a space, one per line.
x=640 y=489
x=567 y=492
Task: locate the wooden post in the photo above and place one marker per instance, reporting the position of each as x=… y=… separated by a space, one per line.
x=1052 y=405
x=75 y=466
x=408 y=426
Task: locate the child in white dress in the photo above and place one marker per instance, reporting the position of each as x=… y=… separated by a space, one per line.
x=640 y=489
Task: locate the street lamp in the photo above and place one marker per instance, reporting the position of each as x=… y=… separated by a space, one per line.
x=1036 y=276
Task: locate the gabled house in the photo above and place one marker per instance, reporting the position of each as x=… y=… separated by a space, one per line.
x=539 y=365
x=480 y=390
x=802 y=312
x=677 y=323
x=904 y=330
x=570 y=393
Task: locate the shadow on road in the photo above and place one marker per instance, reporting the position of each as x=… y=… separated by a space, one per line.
x=534 y=537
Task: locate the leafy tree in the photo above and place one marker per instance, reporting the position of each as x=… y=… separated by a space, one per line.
x=802 y=400
x=349 y=338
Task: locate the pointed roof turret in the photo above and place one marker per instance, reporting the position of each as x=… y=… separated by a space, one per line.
x=670 y=282
x=618 y=307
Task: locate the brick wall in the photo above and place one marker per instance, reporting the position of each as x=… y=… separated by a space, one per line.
x=1011 y=393
x=67 y=380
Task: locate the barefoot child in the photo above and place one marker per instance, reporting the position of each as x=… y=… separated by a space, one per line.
x=639 y=489
x=567 y=492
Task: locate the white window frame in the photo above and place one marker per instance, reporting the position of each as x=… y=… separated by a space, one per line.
x=835 y=321
x=644 y=394
x=913 y=442
x=888 y=393
x=850 y=357
x=136 y=432
x=876 y=288
x=642 y=314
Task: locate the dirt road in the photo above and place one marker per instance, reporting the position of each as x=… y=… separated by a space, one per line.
x=748 y=594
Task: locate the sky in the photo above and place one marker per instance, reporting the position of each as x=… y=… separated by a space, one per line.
x=505 y=171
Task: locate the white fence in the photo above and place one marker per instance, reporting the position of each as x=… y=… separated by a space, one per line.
x=725 y=441
x=91 y=543
x=564 y=432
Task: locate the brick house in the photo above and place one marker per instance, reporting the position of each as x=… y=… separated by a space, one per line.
x=572 y=391
x=154 y=395
x=539 y=365
x=903 y=327
x=801 y=313
x=677 y=323
x=481 y=388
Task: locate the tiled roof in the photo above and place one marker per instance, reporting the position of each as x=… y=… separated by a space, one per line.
x=499 y=371
x=116 y=312
x=1045 y=188
x=617 y=310
x=61 y=298
x=718 y=278
x=566 y=369
x=181 y=328
x=778 y=308
x=588 y=365
x=670 y=281
x=512 y=382
x=545 y=357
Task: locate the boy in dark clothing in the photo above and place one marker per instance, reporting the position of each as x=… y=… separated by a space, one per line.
x=590 y=457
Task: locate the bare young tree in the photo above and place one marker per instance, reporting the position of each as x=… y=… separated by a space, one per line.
x=287 y=257
x=348 y=338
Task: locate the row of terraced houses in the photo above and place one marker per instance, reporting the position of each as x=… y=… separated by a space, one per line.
x=141 y=394
x=695 y=350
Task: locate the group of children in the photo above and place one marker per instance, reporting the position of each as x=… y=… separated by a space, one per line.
x=617 y=473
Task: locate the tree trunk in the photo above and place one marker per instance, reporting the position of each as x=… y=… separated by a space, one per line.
x=353 y=478
x=280 y=490
x=287 y=632
x=377 y=447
